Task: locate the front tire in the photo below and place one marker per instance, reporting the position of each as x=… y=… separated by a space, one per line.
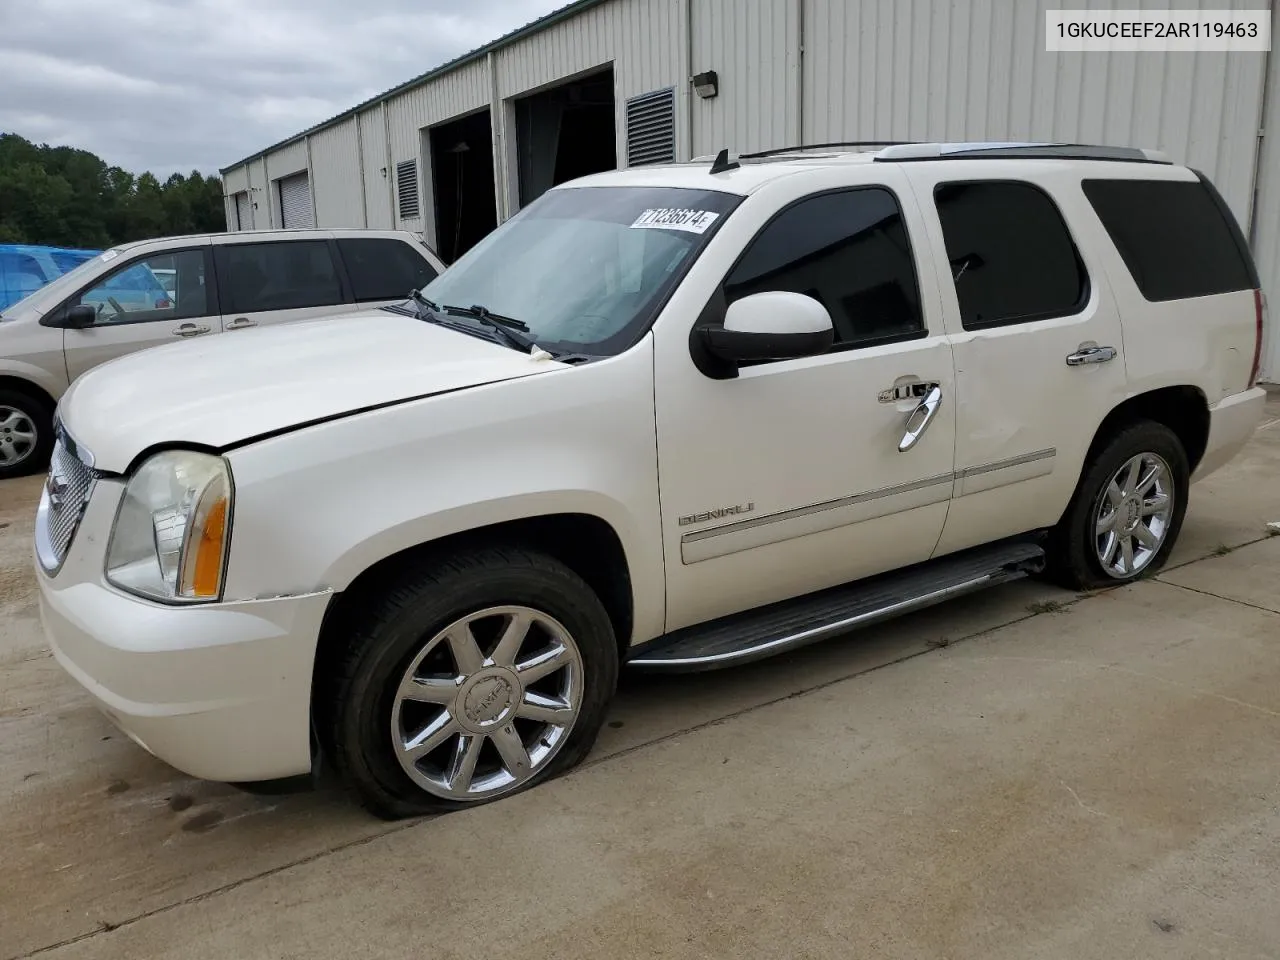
x=469 y=679
x=1127 y=511
x=26 y=433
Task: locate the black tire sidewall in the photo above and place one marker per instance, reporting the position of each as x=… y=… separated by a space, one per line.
x=1079 y=560
x=417 y=609
x=42 y=417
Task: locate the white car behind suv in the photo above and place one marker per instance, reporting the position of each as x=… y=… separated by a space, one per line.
x=679 y=417
x=118 y=303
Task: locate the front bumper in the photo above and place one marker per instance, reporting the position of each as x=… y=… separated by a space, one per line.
x=1232 y=422
x=221 y=691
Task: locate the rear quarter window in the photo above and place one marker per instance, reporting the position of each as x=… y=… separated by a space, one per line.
x=1176 y=237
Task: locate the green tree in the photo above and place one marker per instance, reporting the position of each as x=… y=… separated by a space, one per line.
x=70 y=197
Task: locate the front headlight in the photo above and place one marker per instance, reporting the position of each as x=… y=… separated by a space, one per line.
x=170 y=537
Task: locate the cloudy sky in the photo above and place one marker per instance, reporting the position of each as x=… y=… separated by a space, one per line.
x=176 y=85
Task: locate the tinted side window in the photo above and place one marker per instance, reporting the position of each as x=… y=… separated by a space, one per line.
x=381 y=269
x=277 y=276
x=1012 y=259
x=847 y=250
x=1172 y=236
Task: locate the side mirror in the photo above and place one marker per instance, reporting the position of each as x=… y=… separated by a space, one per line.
x=77 y=318
x=775 y=325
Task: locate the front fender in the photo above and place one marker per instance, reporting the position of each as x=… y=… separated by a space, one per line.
x=317 y=507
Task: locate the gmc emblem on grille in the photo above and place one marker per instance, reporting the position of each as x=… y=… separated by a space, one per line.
x=716 y=514
x=57 y=488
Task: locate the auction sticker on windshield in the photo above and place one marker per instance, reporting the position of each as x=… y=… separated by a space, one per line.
x=666 y=218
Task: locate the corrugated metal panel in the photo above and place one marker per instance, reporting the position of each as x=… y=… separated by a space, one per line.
x=335 y=172
x=1266 y=237
x=295 y=203
x=452 y=95
x=642 y=39
x=754 y=46
x=977 y=69
x=236 y=180
x=282 y=163
x=377 y=164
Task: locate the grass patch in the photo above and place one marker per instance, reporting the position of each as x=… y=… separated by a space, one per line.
x=1046 y=606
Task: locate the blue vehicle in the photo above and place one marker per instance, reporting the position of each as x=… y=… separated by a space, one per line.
x=24 y=268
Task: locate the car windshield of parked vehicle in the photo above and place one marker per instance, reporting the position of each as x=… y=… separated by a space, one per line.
x=586 y=269
x=64 y=284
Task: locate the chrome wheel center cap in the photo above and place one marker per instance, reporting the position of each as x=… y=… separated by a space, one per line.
x=487 y=700
x=1130 y=513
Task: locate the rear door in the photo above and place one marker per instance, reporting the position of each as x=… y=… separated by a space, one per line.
x=277 y=281
x=135 y=311
x=384 y=269
x=1036 y=337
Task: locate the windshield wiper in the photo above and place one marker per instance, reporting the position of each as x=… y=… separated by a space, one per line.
x=420 y=301
x=480 y=312
x=508 y=328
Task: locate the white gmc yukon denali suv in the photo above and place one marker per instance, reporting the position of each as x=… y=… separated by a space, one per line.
x=677 y=417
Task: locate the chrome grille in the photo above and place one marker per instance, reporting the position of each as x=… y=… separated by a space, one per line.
x=62 y=504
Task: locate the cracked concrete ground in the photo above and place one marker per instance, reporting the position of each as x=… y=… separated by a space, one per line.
x=1022 y=773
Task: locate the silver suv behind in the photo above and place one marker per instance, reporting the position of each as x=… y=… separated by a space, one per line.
x=143 y=294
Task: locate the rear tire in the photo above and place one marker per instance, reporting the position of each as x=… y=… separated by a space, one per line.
x=468 y=679
x=26 y=433
x=1126 y=513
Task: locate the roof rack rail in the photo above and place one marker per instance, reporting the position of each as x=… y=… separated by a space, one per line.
x=1018 y=151
x=823 y=146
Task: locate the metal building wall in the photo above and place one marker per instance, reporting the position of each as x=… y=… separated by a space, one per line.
x=978 y=70
x=644 y=41
x=458 y=92
x=1266 y=232
x=335 y=180
x=377 y=169
x=754 y=47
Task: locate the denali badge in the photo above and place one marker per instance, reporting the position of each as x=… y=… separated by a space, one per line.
x=716 y=514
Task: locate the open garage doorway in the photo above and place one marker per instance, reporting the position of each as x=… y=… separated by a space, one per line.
x=462 y=174
x=564 y=132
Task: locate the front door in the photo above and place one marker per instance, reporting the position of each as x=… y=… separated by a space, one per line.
x=135 y=310
x=1038 y=345
x=790 y=477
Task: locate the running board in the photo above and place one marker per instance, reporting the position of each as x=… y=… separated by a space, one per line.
x=789 y=624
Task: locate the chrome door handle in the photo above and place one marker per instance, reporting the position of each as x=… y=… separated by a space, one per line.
x=190 y=330
x=1090 y=353
x=920 y=418
x=239 y=323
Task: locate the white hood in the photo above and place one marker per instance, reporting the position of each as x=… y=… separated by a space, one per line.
x=234 y=386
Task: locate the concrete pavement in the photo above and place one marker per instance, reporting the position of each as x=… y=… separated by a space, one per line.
x=1021 y=773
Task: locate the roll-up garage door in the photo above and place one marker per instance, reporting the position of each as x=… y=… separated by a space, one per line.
x=244 y=213
x=295 y=202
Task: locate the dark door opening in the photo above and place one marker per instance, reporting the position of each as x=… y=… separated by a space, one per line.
x=565 y=132
x=462 y=177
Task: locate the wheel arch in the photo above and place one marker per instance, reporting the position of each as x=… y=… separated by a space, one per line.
x=586 y=543
x=23 y=385
x=1183 y=409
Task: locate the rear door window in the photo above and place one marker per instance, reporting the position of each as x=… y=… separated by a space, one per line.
x=1174 y=236
x=284 y=275
x=1012 y=258
x=383 y=269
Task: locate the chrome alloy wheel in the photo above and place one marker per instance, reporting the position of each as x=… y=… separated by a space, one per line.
x=17 y=436
x=487 y=703
x=1132 y=515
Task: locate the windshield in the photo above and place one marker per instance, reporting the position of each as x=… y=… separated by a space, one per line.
x=72 y=279
x=587 y=268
